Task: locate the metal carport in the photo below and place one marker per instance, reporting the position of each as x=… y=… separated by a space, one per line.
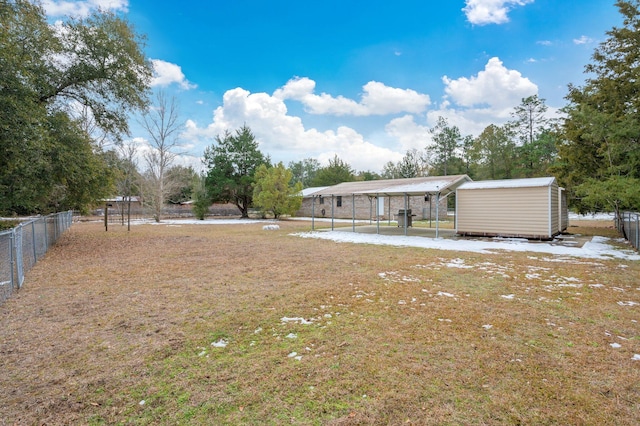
x=434 y=186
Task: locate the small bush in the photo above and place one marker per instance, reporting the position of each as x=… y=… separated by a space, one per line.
x=8 y=224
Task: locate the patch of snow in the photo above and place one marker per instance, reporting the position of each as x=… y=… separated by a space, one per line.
x=508 y=296
x=597 y=248
x=457 y=263
x=174 y=222
x=567 y=285
x=291 y=336
x=299 y=320
x=628 y=303
x=594 y=216
x=220 y=343
x=636 y=357
x=487 y=326
x=445 y=294
x=410 y=279
x=615 y=345
x=271 y=227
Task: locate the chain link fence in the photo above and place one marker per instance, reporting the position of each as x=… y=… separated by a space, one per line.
x=21 y=247
x=629 y=226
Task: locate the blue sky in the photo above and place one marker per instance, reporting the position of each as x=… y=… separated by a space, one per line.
x=361 y=80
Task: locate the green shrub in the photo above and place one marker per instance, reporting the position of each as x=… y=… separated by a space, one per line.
x=8 y=224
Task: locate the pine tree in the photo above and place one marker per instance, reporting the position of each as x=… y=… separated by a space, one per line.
x=600 y=156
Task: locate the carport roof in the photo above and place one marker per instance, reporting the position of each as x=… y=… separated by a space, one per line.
x=391 y=187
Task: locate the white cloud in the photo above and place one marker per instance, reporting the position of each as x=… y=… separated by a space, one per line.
x=496 y=88
x=284 y=136
x=483 y=12
x=582 y=40
x=82 y=9
x=408 y=133
x=377 y=99
x=486 y=98
x=469 y=121
x=166 y=73
x=471 y=103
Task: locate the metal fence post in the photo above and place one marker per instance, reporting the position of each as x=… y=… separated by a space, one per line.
x=19 y=255
x=637 y=231
x=11 y=256
x=46 y=235
x=33 y=238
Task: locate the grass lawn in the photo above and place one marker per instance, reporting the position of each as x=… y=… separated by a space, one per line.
x=233 y=324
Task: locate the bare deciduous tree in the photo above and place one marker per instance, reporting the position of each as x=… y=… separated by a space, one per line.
x=127 y=178
x=161 y=123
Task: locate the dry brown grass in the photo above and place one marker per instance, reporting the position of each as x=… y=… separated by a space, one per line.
x=397 y=335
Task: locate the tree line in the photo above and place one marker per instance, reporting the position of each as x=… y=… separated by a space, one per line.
x=67 y=92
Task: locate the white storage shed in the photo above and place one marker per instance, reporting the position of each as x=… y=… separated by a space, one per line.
x=528 y=208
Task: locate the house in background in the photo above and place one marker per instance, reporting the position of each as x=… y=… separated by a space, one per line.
x=426 y=197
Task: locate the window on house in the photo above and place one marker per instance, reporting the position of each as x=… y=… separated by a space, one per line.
x=321 y=199
x=339 y=201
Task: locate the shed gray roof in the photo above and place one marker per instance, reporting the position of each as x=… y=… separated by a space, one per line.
x=509 y=183
x=388 y=187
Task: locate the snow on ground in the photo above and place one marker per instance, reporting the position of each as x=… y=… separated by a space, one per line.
x=597 y=248
x=591 y=216
x=178 y=222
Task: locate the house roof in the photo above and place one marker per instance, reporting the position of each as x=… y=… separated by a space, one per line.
x=389 y=187
x=121 y=199
x=307 y=192
x=509 y=183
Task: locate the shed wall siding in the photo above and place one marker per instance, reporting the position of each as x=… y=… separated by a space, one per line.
x=554 y=211
x=504 y=211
